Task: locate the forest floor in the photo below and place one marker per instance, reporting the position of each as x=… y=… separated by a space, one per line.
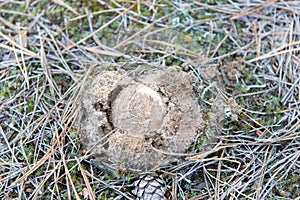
x=245 y=50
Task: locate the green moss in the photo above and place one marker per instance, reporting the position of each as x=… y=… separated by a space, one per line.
x=65 y=195
x=108 y=176
x=4 y=93
x=115 y=25
x=246 y=128
x=30 y=106
x=294 y=178
x=239 y=27
x=201 y=16
x=39 y=172
x=291 y=187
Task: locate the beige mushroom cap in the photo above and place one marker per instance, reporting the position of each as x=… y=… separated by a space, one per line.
x=138 y=110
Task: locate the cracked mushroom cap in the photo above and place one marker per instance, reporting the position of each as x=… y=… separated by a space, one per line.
x=148 y=122
x=139 y=110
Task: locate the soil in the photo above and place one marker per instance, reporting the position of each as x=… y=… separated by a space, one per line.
x=144 y=122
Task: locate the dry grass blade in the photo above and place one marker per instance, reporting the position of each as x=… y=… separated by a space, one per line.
x=8 y=23
x=86 y=180
x=103 y=26
x=48 y=154
x=45 y=67
x=216 y=149
x=69 y=180
x=252 y=10
x=107 y=53
x=110 y=186
x=31 y=54
x=274 y=54
x=20 y=50
x=42 y=183
x=63 y=4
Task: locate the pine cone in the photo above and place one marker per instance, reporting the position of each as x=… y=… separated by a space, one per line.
x=149 y=188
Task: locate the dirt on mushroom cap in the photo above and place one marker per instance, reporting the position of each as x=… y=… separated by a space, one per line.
x=144 y=122
x=139 y=110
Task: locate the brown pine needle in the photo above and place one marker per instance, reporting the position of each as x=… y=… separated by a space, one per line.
x=252 y=10
x=63 y=4
x=86 y=180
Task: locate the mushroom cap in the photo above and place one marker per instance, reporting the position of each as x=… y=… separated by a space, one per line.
x=138 y=110
x=144 y=122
